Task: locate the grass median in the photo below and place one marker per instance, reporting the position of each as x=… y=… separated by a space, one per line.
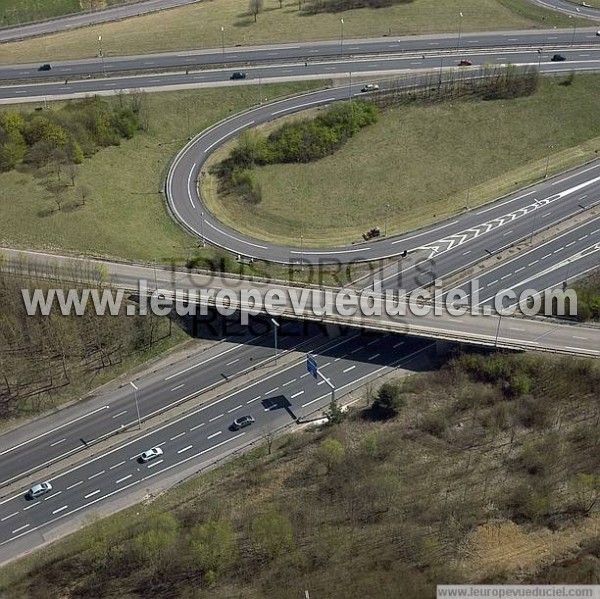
x=199 y=26
x=421 y=163
x=125 y=216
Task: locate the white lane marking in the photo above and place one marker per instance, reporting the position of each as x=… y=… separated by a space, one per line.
x=75 y=485
x=117 y=465
x=91 y=494
x=197 y=426
x=60 y=509
x=216 y=417
x=152 y=464
x=229 y=134
x=355 y=350
x=576 y=337
x=232 y=362
x=288 y=383
x=52 y=430
x=374 y=356
x=178 y=387
x=20 y=529
x=185 y=449
x=297 y=394
x=519 y=269
x=467 y=252
x=97 y=474
x=53 y=495
x=397 y=344
x=8 y=517
x=238 y=239
x=119 y=414
x=350 y=368
x=189 y=185
x=296 y=106
x=254 y=398
x=214 y=435
x=375 y=341
x=305 y=374
x=172 y=376
x=271 y=391
x=58 y=442
x=32 y=505
x=120 y=480
x=234 y=409
x=177 y=436
x=515 y=329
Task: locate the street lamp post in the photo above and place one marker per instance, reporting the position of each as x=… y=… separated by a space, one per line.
x=342 y=38
x=460 y=16
x=500 y=314
x=441 y=67
x=155 y=275
x=301 y=252
x=275 y=327
x=101 y=54
x=223 y=41
x=137 y=407
x=550 y=148
x=259 y=88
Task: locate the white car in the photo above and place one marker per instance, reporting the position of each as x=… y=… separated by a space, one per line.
x=39 y=490
x=370 y=87
x=151 y=454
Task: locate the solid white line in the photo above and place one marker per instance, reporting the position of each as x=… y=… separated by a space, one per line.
x=185 y=449
x=97 y=474
x=7 y=517
x=350 y=368
x=177 y=436
x=288 y=383
x=297 y=394
x=75 y=485
x=57 y=442
x=60 y=509
x=117 y=465
x=216 y=417
x=91 y=494
x=20 y=529
x=120 y=480
x=374 y=356
x=214 y=435
x=119 y=414
x=397 y=345
x=234 y=409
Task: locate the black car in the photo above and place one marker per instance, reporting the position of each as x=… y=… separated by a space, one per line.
x=45 y=67
x=238 y=75
x=241 y=422
x=558 y=58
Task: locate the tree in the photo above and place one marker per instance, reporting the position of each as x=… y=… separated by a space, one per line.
x=586 y=488
x=72 y=172
x=57 y=190
x=272 y=532
x=331 y=452
x=212 y=548
x=389 y=400
x=84 y=192
x=256 y=6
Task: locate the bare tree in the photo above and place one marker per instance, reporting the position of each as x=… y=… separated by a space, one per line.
x=84 y=191
x=57 y=190
x=255 y=6
x=268 y=434
x=72 y=172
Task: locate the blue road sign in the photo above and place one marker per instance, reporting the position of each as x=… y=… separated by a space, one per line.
x=311 y=365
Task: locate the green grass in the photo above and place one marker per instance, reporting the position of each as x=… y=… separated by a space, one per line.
x=125 y=216
x=426 y=162
x=18 y=12
x=199 y=26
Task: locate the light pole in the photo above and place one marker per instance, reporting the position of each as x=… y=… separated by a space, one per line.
x=202 y=228
x=275 y=327
x=441 y=67
x=550 y=148
x=460 y=16
x=101 y=54
x=137 y=407
x=342 y=38
x=259 y=91
x=155 y=277
x=500 y=314
x=574 y=28
x=539 y=58
x=301 y=252
x=387 y=210
x=223 y=41
x=350 y=86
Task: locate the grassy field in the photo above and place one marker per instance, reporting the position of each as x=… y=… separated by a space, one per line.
x=488 y=474
x=18 y=12
x=125 y=216
x=199 y=26
x=424 y=162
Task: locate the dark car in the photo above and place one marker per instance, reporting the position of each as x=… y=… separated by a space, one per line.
x=558 y=58
x=45 y=67
x=242 y=422
x=465 y=63
x=238 y=75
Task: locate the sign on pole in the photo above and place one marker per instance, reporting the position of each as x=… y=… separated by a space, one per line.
x=311 y=365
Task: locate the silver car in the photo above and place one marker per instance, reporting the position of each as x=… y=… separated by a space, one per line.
x=39 y=490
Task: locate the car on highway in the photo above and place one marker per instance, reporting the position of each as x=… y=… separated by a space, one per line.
x=465 y=63
x=238 y=75
x=45 y=67
x=597 y=32
x=558 y=58
x=370 y=87
x=151 y=454
x=242 y=422
x=39 y=490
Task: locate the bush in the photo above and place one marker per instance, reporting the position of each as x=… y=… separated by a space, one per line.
x=389 y=400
